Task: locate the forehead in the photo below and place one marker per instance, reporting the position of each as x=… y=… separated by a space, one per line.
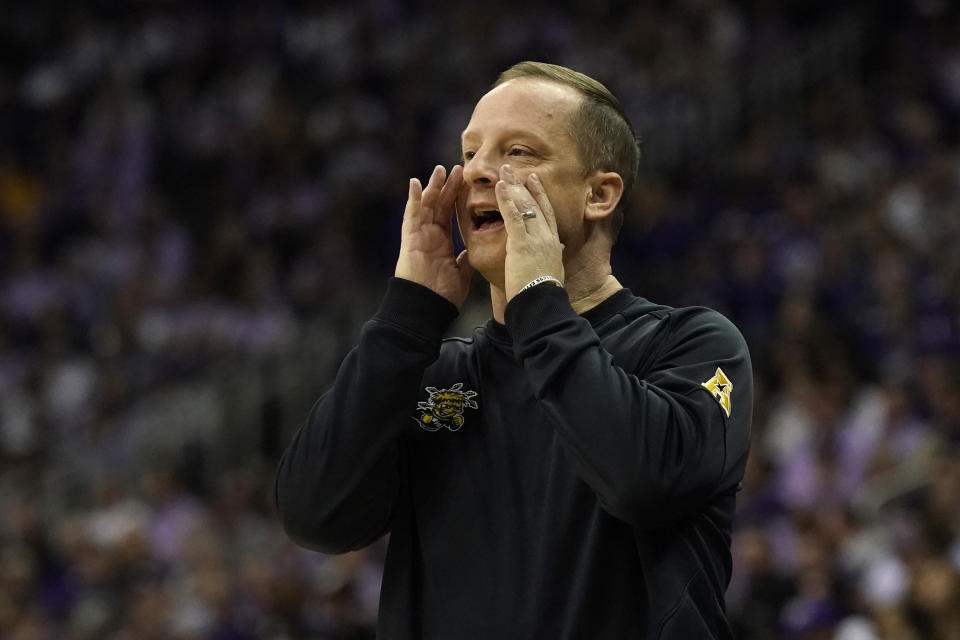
x=526 y=104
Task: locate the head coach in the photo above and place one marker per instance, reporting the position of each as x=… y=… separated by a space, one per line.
x=568 y=471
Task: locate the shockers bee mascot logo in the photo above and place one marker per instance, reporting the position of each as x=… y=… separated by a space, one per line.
x=445 y=407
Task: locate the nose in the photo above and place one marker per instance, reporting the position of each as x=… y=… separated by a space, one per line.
x=482 y=168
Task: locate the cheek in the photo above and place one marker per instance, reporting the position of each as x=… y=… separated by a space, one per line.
x=568 y=208
x=462 y=220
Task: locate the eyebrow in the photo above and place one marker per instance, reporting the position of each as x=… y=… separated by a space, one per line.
x=509 y=133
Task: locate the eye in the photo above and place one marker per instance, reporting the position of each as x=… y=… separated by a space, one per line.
x=468 y=155
x=518 y=151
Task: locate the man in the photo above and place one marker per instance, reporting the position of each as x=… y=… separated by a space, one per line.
x=569 y=471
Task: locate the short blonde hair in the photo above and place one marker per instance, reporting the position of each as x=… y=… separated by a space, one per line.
x=600 y=127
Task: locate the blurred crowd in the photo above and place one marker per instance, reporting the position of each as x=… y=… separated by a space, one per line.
x=199 y=206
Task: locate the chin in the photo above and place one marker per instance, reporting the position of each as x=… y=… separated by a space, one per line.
x=488 y=261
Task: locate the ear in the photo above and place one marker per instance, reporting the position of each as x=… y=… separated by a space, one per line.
x=605 y=190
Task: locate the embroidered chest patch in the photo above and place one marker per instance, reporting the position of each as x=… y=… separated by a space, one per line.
x=721 y=387
x=444 y=408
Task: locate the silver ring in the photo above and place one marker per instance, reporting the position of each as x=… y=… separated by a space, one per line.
x=526 y=215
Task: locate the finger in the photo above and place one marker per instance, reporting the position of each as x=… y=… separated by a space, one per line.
x=540 y=195
x=521 y=197
x=412 y=210
x=508 y=176
x=464 y=267
x=437 y=177
x=512 y=218
x=448 y=196
x=434 y=185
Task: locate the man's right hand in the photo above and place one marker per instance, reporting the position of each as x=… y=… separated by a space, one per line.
x=426 y=240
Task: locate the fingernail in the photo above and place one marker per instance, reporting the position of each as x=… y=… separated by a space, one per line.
x=508 y=171
x=534 y=177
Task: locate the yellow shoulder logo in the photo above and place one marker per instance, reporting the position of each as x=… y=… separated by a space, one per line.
x=720 y=387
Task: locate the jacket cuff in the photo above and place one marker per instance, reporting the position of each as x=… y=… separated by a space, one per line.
x=416 y=309
x=530 y=311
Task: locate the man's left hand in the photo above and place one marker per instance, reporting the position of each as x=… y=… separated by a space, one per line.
x=533 y=244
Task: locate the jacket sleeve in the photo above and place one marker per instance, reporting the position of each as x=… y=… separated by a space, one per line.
x=653 y=445
x=338 y=479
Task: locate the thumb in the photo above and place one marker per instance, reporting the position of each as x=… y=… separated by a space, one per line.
x=465 y=269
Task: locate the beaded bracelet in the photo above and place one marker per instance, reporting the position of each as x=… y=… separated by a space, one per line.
x=540 y=280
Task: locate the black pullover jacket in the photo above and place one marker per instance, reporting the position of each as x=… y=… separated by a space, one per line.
x=559 y=476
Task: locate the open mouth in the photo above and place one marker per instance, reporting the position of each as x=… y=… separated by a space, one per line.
x=487 y=220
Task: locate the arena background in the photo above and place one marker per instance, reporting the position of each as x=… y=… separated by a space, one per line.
x=199 y=207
